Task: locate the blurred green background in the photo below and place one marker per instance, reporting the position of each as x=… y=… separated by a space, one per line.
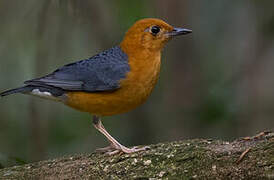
x=217 y=82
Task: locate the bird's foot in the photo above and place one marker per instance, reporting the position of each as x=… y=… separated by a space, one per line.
x=116 y=149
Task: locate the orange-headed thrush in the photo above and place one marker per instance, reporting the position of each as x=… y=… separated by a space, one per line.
x=114 y=81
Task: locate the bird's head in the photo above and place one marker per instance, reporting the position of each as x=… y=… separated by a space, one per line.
x=151 y=34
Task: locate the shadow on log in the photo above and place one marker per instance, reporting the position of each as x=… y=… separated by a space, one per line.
x=246 y=158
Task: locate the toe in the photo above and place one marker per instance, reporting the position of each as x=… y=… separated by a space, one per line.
x=113 y=152
x=105 y=149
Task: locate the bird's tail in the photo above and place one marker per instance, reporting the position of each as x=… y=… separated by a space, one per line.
x=46 y=92
x=23 y=89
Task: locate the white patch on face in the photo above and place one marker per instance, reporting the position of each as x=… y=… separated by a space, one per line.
x=46 y=95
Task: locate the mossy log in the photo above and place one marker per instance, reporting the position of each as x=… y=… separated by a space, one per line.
x=245 y=158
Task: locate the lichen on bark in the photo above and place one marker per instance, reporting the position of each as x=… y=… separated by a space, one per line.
x=251 y=158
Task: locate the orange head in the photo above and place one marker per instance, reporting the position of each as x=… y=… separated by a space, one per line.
x=150 y=34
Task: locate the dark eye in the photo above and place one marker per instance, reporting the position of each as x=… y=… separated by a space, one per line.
x=155 y=30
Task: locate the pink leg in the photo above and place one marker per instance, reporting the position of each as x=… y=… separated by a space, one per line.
x=115 y=147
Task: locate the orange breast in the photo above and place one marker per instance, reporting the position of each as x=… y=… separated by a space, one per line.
x=135 y=88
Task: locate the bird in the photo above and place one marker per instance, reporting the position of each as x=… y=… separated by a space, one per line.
x=112 y=82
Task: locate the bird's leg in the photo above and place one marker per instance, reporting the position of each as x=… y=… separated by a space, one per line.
x=115 y=147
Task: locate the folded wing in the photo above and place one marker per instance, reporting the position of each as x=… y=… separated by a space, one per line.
x=101 y=72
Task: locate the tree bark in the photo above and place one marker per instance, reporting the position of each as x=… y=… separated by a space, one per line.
x=245 y=158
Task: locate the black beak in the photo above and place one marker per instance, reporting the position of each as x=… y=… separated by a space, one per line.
x=179 y=31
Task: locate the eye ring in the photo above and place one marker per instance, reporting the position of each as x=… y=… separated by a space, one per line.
x=155 y=30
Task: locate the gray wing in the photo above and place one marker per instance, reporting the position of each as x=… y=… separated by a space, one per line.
x=101 y=72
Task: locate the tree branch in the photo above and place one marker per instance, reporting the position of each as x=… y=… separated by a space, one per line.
x=247 y=158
